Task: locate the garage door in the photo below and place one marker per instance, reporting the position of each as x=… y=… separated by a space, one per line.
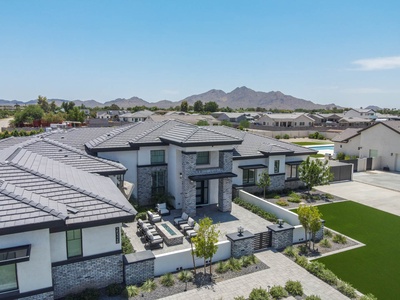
x=397 y=165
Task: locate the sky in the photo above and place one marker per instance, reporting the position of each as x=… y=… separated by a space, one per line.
x=343 y=52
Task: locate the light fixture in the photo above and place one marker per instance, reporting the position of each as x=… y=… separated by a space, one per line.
x=280 y=223
x=240 y=230
x=180 y=175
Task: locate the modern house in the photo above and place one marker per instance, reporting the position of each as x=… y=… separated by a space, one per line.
x=286 y=120
x=331 y=119
x=138 y=116
x=59 y=224
x=195 y=165
x=380 y=141
x=365 y=113
x=355 y=122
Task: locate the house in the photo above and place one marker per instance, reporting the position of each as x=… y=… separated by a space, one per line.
x=365 y=113
x=355 y=122
x=230 y=117
x=60 y=224
x=187 y=118
x=138 y=116
x=195 y=165
x=331 y=119
x=109 y=114
x=381 y=141
x=286 y=120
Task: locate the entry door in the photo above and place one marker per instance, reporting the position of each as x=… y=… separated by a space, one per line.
x=201 y=192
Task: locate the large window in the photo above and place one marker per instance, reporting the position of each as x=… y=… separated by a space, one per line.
x=157 y=157
x=158 y=183
x=203 y=158
x=8 y=278
x=292 y=171
x=276 y=166
x=249 y=176
x=74 y=243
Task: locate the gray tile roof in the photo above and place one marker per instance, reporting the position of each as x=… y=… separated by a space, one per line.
x=346 y=135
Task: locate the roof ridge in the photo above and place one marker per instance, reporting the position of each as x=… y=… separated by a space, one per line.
x=37 y=205
x=150 y=130
x=109 y=135
x=224 y=133
x=68 y=185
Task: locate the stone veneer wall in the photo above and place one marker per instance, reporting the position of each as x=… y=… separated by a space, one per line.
x=136 y=269
x=43 y=296
x=91 y=273
x=293 y=184
x=281 y=237
x=277 y=182
x=225 y=194
x=144 y=181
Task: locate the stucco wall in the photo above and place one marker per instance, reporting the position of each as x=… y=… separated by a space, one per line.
x=349 y=148
x=36 y=273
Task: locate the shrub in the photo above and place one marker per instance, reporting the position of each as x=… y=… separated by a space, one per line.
x=141 y=215
x=278 y=292
x=278 y=137
x=239 y=298
x=325 y=243
x=294 y=197
x=167 y=280
x=329 y=277
x=340 y=156
x=277 y=197
x=339 y=239
x=316 y=268
x=328 y=233
x=233 y=264
x=126 y=244
x=185 y=275
x=313 y=297
x=221 y=268
x=282 y=202
x=368 y=297
x=302 y=261
x=286 y=136
x=256 y=210
x=328 y=196
x=346 y=289
x=149 y=285
x=291 y=251
x=294 y=288
x=114 y=289
x=131 y=291
x=246 y=261
x=259 y=294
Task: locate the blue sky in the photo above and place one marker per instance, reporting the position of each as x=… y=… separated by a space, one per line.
x=342 y=52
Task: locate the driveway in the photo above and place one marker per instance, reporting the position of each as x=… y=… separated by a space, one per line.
x=380 y=190
x=5 y=122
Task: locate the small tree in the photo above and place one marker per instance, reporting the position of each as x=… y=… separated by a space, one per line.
x=315 y=222
x=264 y=181
x=310 y=218
x=198 y=106
x=205 y=242
x=202 y=123
x=226 y=123
x=304 y=218
x=315 y=172
x=184 y=106
x=244 y=124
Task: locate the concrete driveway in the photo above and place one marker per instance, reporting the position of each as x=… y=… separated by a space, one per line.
x=380 y=190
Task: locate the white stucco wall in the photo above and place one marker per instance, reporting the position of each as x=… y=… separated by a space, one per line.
x=36 y=273
x=271 y=160
x=349 y=148
x=245 y=162
x=144 y=154
x=383 y=139
x=58 y=244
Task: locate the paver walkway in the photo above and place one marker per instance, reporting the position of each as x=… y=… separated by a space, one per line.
x=281 y=270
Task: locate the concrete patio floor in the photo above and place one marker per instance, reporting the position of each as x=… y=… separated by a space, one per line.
x=228 y=223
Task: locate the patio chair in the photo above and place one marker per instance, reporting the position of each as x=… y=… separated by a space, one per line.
x=153 y=217
x=162 y=209
x=192 y=232
x=187 y=225
x=181 y=219
x=154 y=239
x=143 y=223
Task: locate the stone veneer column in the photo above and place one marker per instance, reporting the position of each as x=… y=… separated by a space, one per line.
x=241 y=244
x=98 y=272
x=188 y=186
x=277 y=182
x=138 y=267
x=282 y=236
x=144 y=181
x=225 y=194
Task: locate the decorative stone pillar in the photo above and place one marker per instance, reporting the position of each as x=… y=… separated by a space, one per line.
x=241 y=244
x=225 y=194
x=138 y=267
x=188 y=186
x=282 y=235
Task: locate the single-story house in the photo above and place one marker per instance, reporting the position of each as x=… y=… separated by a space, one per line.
x=138 y=116
x=366 y=113
x=286 y=120
x=355 y=122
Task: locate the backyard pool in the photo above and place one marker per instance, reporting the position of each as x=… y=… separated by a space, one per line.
x=323 y=148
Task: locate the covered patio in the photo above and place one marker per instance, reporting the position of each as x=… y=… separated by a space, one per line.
x=229 y=222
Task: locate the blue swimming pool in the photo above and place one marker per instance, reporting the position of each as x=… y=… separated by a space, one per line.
x=322 y=147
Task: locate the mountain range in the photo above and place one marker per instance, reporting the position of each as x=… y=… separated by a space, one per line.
x=241 y=97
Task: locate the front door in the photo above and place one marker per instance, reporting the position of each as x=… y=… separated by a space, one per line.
x=201 y=192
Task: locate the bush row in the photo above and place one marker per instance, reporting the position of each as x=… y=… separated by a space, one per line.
x=255 y=210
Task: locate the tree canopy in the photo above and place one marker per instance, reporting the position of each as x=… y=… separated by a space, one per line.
x=264 y=181
x=315 y=172
x=184 y=106
x=198 y=106
x=28 y=115
x=210 y=106
x=310 y=218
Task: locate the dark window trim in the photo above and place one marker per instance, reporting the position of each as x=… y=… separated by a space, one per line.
x=17 y=259
x=247 y=182
x=66 y=238
x=157 y=162
x=205 y=156
x=16 y=290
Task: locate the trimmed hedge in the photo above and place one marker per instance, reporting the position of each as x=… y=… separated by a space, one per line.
x=255 y=210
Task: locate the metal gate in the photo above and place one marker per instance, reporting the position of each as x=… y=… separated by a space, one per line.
x=262 y=240
x=369 y=163
x=343 y=172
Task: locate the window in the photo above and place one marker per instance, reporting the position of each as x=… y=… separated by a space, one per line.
x=74 y=243
x=203 y=158
x=249 y=176
x=8 y=278
x=373 y=153
x=292 y=171
x=158 y=183
x=301 y=123
x=157 y=157
x=276 y=166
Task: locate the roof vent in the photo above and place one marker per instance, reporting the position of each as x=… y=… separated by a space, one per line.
x=62 y=137
x=66 y=155
x=72 y=210
x=59 y=150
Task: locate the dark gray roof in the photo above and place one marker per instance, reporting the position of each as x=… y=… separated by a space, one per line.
x=346 y=134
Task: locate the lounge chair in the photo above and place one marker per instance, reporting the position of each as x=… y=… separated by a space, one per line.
x=181 y=219
x=154 y=239
x=187 y=225
x=143 y=226
x=192 y=232
x=162 y=209
x=153 y=217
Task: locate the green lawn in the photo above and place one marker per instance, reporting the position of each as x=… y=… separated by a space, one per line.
x=374 y=268
x=316 y=143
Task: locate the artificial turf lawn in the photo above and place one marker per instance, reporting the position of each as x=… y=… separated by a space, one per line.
x=374 y=268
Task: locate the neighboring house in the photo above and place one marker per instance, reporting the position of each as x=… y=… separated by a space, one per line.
x=286 y=120
x=109 y=114
x=60 y=225
x=355 y=122
x=347 y=142
x=138 y=116
x=187 y=118
x=230 y=117
x=380 y=141
x=326 y=119
x=195 y=165
x=365 y=113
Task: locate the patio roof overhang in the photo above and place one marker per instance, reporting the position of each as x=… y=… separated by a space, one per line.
x=294 y=162
x=211 y=176
x=258 y=166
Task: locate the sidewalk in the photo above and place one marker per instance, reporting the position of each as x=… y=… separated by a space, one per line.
x=281 y=270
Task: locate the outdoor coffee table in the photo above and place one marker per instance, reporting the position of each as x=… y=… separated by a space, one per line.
x=171 y=235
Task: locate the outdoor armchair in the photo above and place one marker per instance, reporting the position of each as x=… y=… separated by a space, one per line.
x=153 y=217
x=187 y=225
x=162 y=209
x=181 y=219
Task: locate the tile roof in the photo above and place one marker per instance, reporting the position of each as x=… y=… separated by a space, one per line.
x=346 y=134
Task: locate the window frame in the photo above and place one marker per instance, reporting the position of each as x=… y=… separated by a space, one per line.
x=156 y=187
x=277 y=165
x=155 y=157
x=16 y=278
x=75 y=239
x=203 y=156
x=246 y=178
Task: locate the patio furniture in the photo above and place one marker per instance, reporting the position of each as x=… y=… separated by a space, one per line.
x=171 y=235
x=162 y=209
x=192 y=232
x=187 y=225
x=181 y=219
x=154 y=239
x=153 y=217
x=142 y=224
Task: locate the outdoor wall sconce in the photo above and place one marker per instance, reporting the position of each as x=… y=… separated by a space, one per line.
x=240 y=230
x=180 y=175
x=280 y=223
